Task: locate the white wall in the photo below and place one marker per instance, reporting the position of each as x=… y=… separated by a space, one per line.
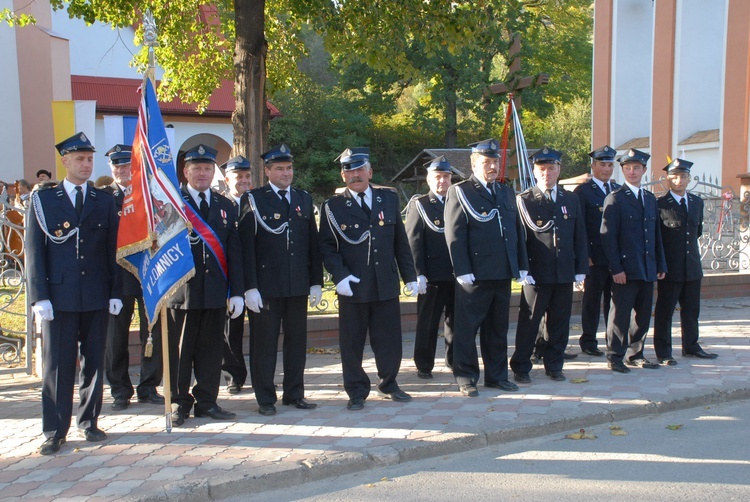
x=632 y=70
x=699 y=64
x=11 y=132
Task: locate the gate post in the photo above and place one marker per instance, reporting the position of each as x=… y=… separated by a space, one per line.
x=744 y=223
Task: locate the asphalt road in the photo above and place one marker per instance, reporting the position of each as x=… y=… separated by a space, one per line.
x=696 y=454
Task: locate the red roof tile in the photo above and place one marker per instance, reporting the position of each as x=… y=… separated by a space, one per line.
x=119 y=95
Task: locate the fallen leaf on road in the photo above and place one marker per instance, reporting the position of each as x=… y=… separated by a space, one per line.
x=370 y=485
x=385 y=478
x=322 y=350
x=616 y=430
x=674 y=427
x=580 y=435
x=579 y=380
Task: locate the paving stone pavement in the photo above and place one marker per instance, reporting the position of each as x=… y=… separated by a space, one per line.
x=207 y=460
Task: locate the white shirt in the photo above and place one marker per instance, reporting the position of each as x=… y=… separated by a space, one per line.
x=553 y=194
x=194 y=194
x=368 y=197
x=287 y=195
x=635 y=191
x=600 y=184
x=70 y=189
x=678 y=198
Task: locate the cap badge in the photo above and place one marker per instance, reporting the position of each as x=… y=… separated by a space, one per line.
x=201 y=150
x=631 y=153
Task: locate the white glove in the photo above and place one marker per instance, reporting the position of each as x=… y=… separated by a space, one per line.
x=422 y=284
x=236 y=307
x=344 y=288
x=43 y=310
x=115 y=306
x=525 y=279
x=412 y=288
x=253 y=300
x=579 y=280
x=466 y=279
x=316 y=294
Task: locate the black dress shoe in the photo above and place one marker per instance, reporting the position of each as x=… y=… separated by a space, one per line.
x=355 y=404
x=618 y=366
x=301 y=404
x=522 y=377
x=399 y=396
x=216 y=413
x=234 y=388
x=700 y=354
x=593 y=352
x=267 y=410
x=152 y=398
x=178 y=418
x=569 y=355
x=555 y=375
x=669 y=361
x=642 y=362
x=120 y=404
x=502 y=385
x=468 y=390
x=425 y=375
x=51 y=445
x=94 y=434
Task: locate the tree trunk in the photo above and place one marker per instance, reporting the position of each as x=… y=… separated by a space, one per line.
x=250 y=118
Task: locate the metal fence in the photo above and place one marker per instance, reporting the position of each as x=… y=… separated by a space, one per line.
x=16 y=328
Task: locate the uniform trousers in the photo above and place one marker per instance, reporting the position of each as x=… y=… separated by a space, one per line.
x=291 y=314
x=554 y=300
x=117 y=361
x=233 y=360
x=485 y=305
x=669 y=293
x=597 y=294
x=382 y=319
x=629 y=319
x=440 y=296
x=195 y=347
x=66 y=338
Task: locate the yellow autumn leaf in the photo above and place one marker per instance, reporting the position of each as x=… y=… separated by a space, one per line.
x=581 y=434
x=370 y=485
x=579 y=380
x=674 y=427
x=384 y=478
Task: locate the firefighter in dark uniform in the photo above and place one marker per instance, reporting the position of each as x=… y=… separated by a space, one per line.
x=597 y=287
x=485 y=239
x=681 y=217
x=556 y=247
x=632 y=243
x=71 y=243
x=117 y=360
x=364 y=247
x=425 y=229
x=282 y=266
x=238 y=177
x=197 y=310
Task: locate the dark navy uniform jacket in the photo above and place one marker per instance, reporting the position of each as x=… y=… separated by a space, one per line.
x=558 y=254
x=130 y=285
x=208 y=289
x=73 y=280
x=387 y=249
x=591 y=199
x=274 y=265
x=430 y=251
x=680 y=235
x=482 y=248
x=631 y=235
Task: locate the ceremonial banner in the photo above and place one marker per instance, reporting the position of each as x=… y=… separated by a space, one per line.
x=153 y=242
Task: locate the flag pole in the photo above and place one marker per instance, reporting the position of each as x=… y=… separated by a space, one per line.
x=150 y=41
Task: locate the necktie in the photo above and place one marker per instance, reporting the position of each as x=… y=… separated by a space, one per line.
x=282 y=194
x=491 y=188
x=606 y=188
x=364 y=205
x=640 y=198
x=203 y=205
x=548 y=194
x=683 y=205
x=79 y=200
